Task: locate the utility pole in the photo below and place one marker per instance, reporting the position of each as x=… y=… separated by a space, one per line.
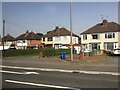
x=71 y=54
x=3 y=52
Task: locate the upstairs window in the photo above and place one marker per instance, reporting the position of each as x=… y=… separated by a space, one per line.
x=95 y=36
x=23 y=41
x=57 y=38
x=50 y=39
x=43 y=38
x=113 y=35
x=84 y=37
x=109 y=35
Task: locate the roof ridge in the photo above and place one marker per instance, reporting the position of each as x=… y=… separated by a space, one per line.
x=101 y=28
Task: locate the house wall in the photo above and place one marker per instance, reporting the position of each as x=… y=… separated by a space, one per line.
x=78 y=49
x=65 y=40
x=119 y=39
x=8 y=43
x=101 y=39
x=61 y=40
x=21 y=44
x=5 y=47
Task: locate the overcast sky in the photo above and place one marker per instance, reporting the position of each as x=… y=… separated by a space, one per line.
x=41 y=17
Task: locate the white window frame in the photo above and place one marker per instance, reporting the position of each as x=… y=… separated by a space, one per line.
x=110 y=35
x=85 y=37
x=98 y=36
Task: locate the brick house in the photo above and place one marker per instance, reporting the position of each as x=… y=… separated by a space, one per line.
x=29 y=40
x=9 y=42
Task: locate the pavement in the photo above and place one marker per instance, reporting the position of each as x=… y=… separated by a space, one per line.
x=90 y=65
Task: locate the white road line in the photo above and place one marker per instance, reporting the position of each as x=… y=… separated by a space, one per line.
x=60 y=70
x=18 y=72
x=41 y=85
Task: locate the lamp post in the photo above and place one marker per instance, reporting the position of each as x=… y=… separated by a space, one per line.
x=3 y=52
x=71 y=54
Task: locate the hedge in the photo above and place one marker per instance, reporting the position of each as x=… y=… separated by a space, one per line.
x=32 y=52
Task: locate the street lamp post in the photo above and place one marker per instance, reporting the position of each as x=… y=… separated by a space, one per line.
x=71 y=55
x=3 y=52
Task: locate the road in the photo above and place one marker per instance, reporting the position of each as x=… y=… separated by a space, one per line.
x=19 y=73
x=19 y=78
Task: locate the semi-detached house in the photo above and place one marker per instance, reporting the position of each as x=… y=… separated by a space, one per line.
x=29 y=40
x=58 y=38
x=103 y=36
x=9 y=42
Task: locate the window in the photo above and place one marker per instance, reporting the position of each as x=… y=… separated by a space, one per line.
x=19 y=41
x=113 y=35
x=23 y=41
x=65 y=37
x=43 y=38
x=109 y=45
x=95 y=36
x=109 y=35
x=84 y=47
x=84 y=37
x=105 y=35
x=96 y=46
x=50 y=38
x=57 y=38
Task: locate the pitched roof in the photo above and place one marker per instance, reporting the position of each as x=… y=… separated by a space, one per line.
x=8 y=37
x=59 y=32
x=29 y=36
x=34 y=43
x=103 y=27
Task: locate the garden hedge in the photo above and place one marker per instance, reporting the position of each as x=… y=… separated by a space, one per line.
x=32 y=52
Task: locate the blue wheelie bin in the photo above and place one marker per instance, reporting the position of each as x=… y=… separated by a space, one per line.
x=63 y=55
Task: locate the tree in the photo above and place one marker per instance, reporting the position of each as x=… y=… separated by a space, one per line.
x=40 y=34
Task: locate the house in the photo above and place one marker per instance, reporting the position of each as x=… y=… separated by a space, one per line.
x=9 y=42
x=58 y=37
x=77 y=47
x=29 y=40
x=102 y=36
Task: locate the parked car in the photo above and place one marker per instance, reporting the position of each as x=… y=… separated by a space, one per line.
x=86 y=51
x=63 y=47
x=114 y=52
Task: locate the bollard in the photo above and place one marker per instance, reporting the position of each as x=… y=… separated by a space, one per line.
x=41 y=54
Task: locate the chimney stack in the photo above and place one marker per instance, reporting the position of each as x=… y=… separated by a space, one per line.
x=57 y=27
x=104 y=22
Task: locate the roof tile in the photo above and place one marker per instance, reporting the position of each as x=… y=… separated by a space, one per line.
x=59 y=32
x=103 y=27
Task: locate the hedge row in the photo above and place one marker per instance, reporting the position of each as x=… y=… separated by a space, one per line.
x=46 y=52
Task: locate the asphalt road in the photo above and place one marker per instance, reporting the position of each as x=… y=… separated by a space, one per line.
x=55 y=80
x=19 y=78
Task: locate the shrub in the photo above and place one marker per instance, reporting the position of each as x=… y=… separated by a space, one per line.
x=32 y=52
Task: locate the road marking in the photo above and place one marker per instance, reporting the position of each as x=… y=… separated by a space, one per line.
x=41 y=85
x=60 y=70
x=18 y=72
